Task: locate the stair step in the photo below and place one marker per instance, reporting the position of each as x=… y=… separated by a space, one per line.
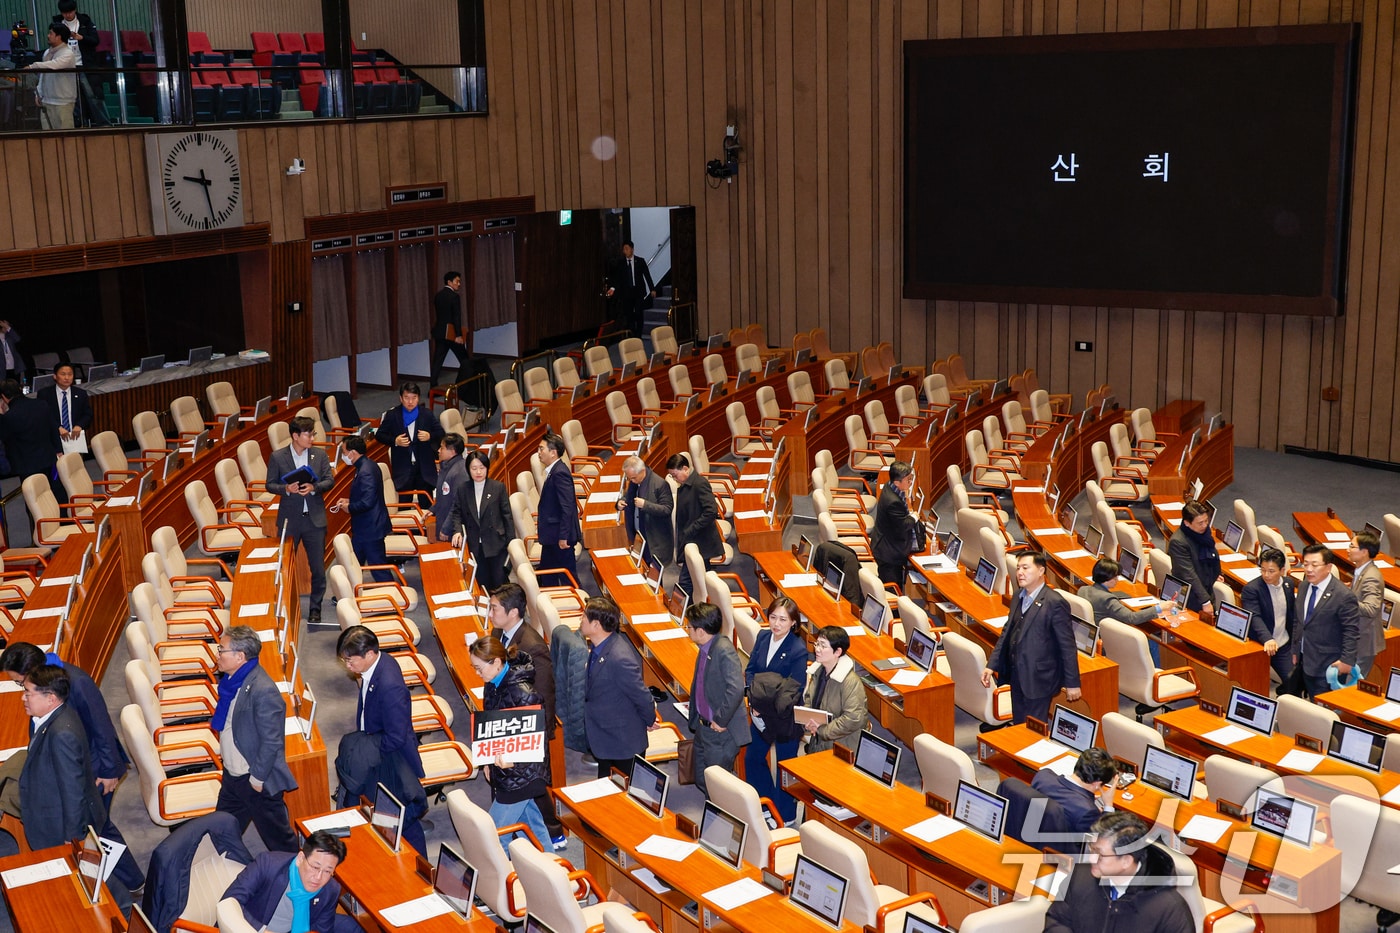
x=295 y=115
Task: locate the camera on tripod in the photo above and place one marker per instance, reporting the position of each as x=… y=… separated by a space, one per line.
x=20 y=52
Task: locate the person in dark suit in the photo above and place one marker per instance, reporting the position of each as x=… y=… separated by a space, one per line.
x=779 y=649
x=57 y=791
x=696 y=511
x=312 y=889
x=557 y=525
x=893 y=539
x=302 y=513
x=630 y=284
x=31 y=438
x=1271 y=600
x=412 y=435
x=84 y=41
x=447 y=313
x=507 y=614
x=250 y=719
x=646 y=505
x=1195 y=559
x=481 y=517
x=618 y=709
x=718 y=718
x=1109 y=605
x=68 y=404
x=1086 y=793
x=1329 y=626
x=383 y=708
x=13 y=362
x=1035 y=653
x=452 y=479
x=369 y=516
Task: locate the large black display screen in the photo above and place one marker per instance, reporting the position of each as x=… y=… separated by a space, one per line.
x=1201 y=169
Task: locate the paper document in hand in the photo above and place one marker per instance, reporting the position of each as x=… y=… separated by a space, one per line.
x=805 y=714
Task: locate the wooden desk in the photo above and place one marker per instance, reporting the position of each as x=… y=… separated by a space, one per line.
x=1326 y=528
x=668 y=663
x=1355 y=707
x=1212 y=462
x=756 y=528
x=905 y=711
x=1178 y=417
x=1001 y=751
x=378 y=879
x=59 y=903
x=117 y=400
x=1218 y=661
x=945 y=867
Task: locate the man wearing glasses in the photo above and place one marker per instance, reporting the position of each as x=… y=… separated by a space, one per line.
x=1124 y=884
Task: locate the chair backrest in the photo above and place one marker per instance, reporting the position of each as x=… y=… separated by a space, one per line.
x=856 y=438
x=875 y=417
x=680 y=380
x=663 y=340
x=538 y=388
x=318 y=429
x=737 y=419
x=618 y=919
x=719 y=596
x=837 y=379
x=1143 y=428
x=1298 y=716
x=801 y=341
x=201 y=507
x=1041 y=409
x=1010 y=917
x=345 y=557
x=1119 y=442
x=767 y=401
x=647 y=395
x=1233 y=780
x=1104 y=519
x=966 y=660
x=597 y=362
x=936 y=390
x=1160 y=564
x=1129 y=540
x=184 y=412
x=223 y=401
x=525 y=485
x=820 y=343
x=847 y=859
x=714 y=369
x=106 y=448
x=970 y=523
x=1391 y=522
x=548 y=890
x=512 y=405
x=565 y=373
x=746 y=629
x=74 y=476
x=1127 y=739
x=699 y=456
x=912 y=615
x=870 y=366
x=991 y=432
x=451 y=422
x=906 y=403
x=251 y=462
x=746 y=359
x=976 y=448
x=735 y=795
x=884 y=350
x=229 y=481
x=1244 y=517
x=799 y=383
x=145 y=425
x=481 y=847
x=1269 y=537
x=695 y=563
x=1103 y=466
x=631 y=350
x=942 y=766
x=1372 y=836
x=754 y=334
x=619 y=412
x=166 y=543
x=142 y=749
x=575 y=444
x=142 y=693
x=279 y=435
x=1127 y=647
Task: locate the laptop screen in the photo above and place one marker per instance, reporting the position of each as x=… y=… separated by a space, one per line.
x=455 y=881
x=1175 y=590
x=921 y=649
x=152 y=363
x=1284 y=816
x=981 y=810
x=1387 y=611
x=1072 y=730
x=1374 y=530
x=1251 y=710
x=835 y=579
x=90 y=866
x=1068 y=517
x=104 y=371
x=913 y=923
x=803 y=551
x=295 y=392
x=1086 y=636
x=387 y=818
x=1167 y=771
x=953 y=548
x=1392 y=687
x=1356 y=746
x=722 y=834
x=873 y=613
x=1232 y=620
x=986 y=575
x=1128 y=564
x=1233 y=535
x=534 y=924
x=201 y=354
x=819 y=891
x=676 y=602
x=877 y=758
x=648 y=785
x=1093 y=540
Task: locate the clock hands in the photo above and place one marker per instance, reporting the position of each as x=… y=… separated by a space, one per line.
x=206 y=183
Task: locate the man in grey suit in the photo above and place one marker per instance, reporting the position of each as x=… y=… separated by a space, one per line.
x=58 y=793
x=1329 y=627
x=646 y=505
x=1369 y=587
x=717 y=714
x=452 y=479
x=250 y=721
x=302 y=513
x=1109 y=605
x=1035 y=653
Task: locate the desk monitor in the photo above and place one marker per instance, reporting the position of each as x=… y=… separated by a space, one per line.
x=1280 y=815
x=1068 y=517
x=201 y=442
x=716 y=391
x=1086 y=636
x=102 y=371
x=150 y=364
x=1169 y=772
x=1198 y=486
x=138 y=922
x=533 y=924
x=1232 y=536
x=986 y=575
x=973 y=400
x=834 y=580
x=580 y=392
x=1380 y=535
x=877 y=758
x=744 y=378
x=296 y=392
x=1074 y=731
x=685 y=349
x=950 y=416
x=722 y=834
x=1109 y=404
x=1387 y=611
x=1210 y=508
x=913 y=923
x=874 y=612
x=953 y=547
x=772 y=367
x=262 y=408
x=692 y=404
x=980 y=809
x=1128 y=564
x=387 y=817
x=652 y=573
x=1086 y=417
x=143 y=486
x=805 y=355
x=921 y=649
x=1360 y=747
x=865 y=386
x=629 y=369
x=201 y=355
x=86 y=563
x=90 y=857
x=230 y=425
x=648 y=786
x=41 y=382
x=104 y=528
x=1000 y=388
x=895 y=373
x=1234 y=621
x=676 y=602
x=1054 y=500
x=1251 y=710
x=715 y=342
x=1093 y=540
x=304 y=705
x=803 y=551
x=1392 y=687
x=454 y=880
x=169 y=465
x=819 y=891
x=600 y=381
x=1175 y=590
x=658 y=359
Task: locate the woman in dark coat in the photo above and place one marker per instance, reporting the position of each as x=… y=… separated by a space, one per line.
x=481 y=516
x=779 y=649
x=509 y=683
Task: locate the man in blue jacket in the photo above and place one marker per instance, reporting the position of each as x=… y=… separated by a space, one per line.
x=557 y=525
x=283 y=892
x=369 y=516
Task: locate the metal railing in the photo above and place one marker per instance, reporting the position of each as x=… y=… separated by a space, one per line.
x=684 y=320
x=517 y=369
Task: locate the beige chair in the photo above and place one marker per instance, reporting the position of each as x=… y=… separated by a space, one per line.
x=566 y=374
x=1244 y=517
x=336 y=426
x=193 y=610
x=872 y=906
x=53 y=523
x=179 y=745
x=1369 y=847
x=907 y=410
x=568 y=600
x=964 y=498
x=857 y=541
x=866 y=456
x=1119 y=484
x=774 y=850
x=405 y=516
x=279 y=435
x=597 y=362
x=82 y=492
x=722 y=475
x=1017 y=428
x=1391 y=521
x=210 y=874
x=1233 y=780
x=1128 y=740
x=167 y=659
x=1128 y=540
x=393 y=629
x=663 y=340
x=843 y=505
x=681 y=387
x=496 y=882
x=770 y=415
x=396 y=592
x=217 y=537
x=254 y=469
x=942 y=766
x=233 y=491
x=550 y=890
x=107 y=450
x=632 y=350
x=582 y=456
x=168 y=800
x=837 y=379
x=1160 y=565
x=145 y=427
x=538 y=388
x=970 y=524
x=1011 y=917
x=1147 y=441
x=879 y=423
x=1297 y=716
x=184 y=414
x=966 y=661
x=1042 y=410
x=997 y=444
x=625 y=428
x=223 y=401
x=511 y=402
x=1138 y=678
x=799 y=383
x=715 y=373
x=746 y=359
x=937 y=398
x=838 y=486
x=650 y=400
x=912 y=616
x=985 y=473
x=229 y=914
x=744 y=441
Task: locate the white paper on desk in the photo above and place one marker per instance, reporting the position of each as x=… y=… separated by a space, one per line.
x=1204 y=828
x=1071 y=555
x=448 y=554
x=1052 y=883
x=908 y=678
x=1140 y=602
x=1383 y=564
x=1029 y=489
x=664 y=634
x=6 y=754
x=254 y=609
x=934 y=828
x=1387 y=711
x=611 y=552
x=1233 y=557
x=351 y=817
x=1247 y=573
x=751 y=513
x=416 y=910
x=800 y=579
x=120 y=501
x=262 y=553
x=55 y=581
x=631 y=579
x=645 y=876
x=855 y=631
x=609 y=479
x=646 y=617
x=605 y=517
x=599 y=498
x=270 y=567
x=1228 y=735
x=41 y=871
x=266 y=634
x=9 y=686
x=1337 y=536
x=1042 y=751
x=737 y=894
x=673 y=850
x=996 y=622
x=1299 y=760
x=760 y=460
x=1392 y=796
x=590 y=790
x=44 y=613
x=1043 y=532
x=1174 y=522
x=459 y=596
x=456 y=612
x=947 y=607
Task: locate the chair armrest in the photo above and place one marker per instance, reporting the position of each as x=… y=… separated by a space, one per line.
x=199 y=744
x=1004 y=691
x=770 y=809
x=773 y=848
x=252 y=519
x=883 y=455
x=1135 y=474
x=186 y=779
x=204 y=532
x=1244 y=907
x=1185 y=672
x=514 y=828
x=721 y=480
x=980 y=471
x=228 y=574
x=904 y=903
x=189 y=926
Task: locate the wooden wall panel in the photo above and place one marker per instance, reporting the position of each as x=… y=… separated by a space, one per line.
x=230 y=25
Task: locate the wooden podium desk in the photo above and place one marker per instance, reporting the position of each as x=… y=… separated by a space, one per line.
x=980 y=617
x=602 y=523
x=1212 y=462
x=905 y=711
x=668 y=662
x=612 y=827
x=1322 y=527
x=1217 y=660
x=945 y=867
x=758 y=519
x=1001 y=750
x=1179 y=416
x=1355 y=707
x=378 y=878
x=58 y=903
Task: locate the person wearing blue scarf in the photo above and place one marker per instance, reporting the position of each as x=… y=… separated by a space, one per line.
x=412 y=435
x=285 y=893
